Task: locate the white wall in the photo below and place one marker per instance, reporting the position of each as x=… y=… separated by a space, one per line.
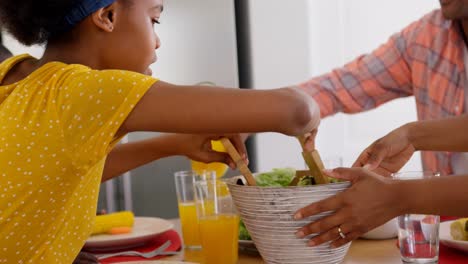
x=280 y=51
x=198 y=42
x=16 y=48
x=337 y=31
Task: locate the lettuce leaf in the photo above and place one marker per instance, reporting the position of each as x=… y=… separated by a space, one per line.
x=276 y=178
x=243 y=233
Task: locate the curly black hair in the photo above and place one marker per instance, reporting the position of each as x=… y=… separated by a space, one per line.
x=33 y=21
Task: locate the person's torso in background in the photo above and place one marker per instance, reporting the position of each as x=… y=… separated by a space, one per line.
x=460 y=160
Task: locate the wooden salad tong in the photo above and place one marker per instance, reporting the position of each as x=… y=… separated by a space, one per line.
x=240 y=162
x=315 y=164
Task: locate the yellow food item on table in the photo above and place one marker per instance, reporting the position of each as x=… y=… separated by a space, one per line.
x=218 y=167
x=120 y=230
x=105 y=223
x=459 y=229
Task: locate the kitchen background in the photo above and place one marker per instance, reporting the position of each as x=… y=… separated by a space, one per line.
x=264 y=44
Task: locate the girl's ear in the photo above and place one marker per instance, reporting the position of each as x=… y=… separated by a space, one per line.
x=104 y=18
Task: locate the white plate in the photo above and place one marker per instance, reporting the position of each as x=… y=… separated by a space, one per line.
x=447 y=240
x=144 y=229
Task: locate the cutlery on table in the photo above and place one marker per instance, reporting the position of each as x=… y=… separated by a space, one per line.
x=156 y=252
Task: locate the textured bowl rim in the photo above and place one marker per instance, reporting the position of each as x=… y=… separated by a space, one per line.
x=232 y=181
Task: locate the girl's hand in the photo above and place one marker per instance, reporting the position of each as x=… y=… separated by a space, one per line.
x=388 y=154
x=368 y=203
x=198 y=147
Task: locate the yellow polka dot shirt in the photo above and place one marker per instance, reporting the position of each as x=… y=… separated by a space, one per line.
x=56 y=127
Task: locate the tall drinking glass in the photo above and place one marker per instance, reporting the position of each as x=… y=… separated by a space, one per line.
x=184 y=181
x=219 y=222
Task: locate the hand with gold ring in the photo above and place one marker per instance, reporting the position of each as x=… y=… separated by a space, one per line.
x=340 y=232
x=368 y=203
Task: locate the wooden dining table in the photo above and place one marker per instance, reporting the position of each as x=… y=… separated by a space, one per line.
x=360 y=252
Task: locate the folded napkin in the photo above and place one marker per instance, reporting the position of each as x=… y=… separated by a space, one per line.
x=171 y=235
x=451 y=256
x=448 y=218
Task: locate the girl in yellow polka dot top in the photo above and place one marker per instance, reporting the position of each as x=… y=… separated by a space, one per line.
x=61 y=116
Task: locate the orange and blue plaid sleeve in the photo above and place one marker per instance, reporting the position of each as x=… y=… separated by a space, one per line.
x=368 y=81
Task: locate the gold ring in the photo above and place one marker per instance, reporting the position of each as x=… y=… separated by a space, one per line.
x=340 y=232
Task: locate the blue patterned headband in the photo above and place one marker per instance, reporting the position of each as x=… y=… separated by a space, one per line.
x=82 y=11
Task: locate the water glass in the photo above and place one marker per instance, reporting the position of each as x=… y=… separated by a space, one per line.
x=418 y=234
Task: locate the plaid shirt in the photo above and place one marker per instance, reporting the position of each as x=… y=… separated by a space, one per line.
x=425 y=60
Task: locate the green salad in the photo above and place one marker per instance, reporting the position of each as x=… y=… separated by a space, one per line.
x=276 y=178
x=243 y=233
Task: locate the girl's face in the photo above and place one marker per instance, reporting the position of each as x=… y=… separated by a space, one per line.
x=133 y=41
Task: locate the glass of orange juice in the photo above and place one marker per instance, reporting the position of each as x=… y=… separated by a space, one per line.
x=219 y=222
x=184 y=181
x=218 y=167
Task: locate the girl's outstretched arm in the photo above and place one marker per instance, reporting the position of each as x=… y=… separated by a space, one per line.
x=200 y=109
